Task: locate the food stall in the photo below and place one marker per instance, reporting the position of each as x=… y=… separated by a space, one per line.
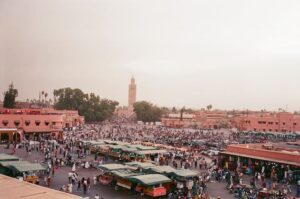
x=152 y=184
x=104 y=149
x=140 y=165
x=128 y=154
x=106 y=176
x=122 y=177
x=183 y=177
x=115 y=151
x=148 y=155
x=29 y=171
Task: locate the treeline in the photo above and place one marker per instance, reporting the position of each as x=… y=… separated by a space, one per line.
x=88 y=105
x=147 y=112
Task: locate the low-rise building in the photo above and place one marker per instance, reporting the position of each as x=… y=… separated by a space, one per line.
x=214 y=119
x=268 y=122
x=178 y=120
x=33 y=123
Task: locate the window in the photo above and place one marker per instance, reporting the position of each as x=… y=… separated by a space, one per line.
x=254 y=129
x=276 y=123
x=270 y=123
x=46 y=123
x=27 y=122
x=37 y=122
x=270 y=130
x=5 y=122
x=283 y=123
x=295 y=124
x=17 y=122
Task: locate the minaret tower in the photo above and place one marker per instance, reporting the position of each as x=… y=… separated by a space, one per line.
x=131 y=94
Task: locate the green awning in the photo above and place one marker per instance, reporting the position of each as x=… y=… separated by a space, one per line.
x=6 y=157
x=143 y=165
x=148 y=152
x=184 y=173
x=162 y=169
x=125 y=173
x=23 y=166
x=151 y=179
x=112 y=167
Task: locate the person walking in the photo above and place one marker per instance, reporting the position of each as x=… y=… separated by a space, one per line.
x=78 y=185
x=53 y=171
x=84 y=187
x=88 y=184
x=95 y=180
x=49 y=181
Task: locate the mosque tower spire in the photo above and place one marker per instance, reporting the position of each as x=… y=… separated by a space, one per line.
x=131 y=94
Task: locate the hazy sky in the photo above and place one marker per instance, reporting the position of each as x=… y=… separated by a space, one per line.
x=228 y=53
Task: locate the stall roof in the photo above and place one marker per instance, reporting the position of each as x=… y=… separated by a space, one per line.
x=185 y=173
x=128 y=149
x=142 y=148
x=8 y=163
x=6 y=157
x=148 y=152
x=163 y=169
x=93 y=142
x=112 y=167
x=125 y=173
x=140 y=164
x=23 y=166
x=115 y=142
x=151 y=179
x=117 y=147
x=29 y=167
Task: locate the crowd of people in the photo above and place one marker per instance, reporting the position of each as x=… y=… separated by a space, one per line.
x=185 y=154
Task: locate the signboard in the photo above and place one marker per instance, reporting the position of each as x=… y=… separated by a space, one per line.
x=161 y=191
x=123 y=185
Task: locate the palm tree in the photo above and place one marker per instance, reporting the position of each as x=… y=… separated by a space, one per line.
x=46 y=95
x=209 y=107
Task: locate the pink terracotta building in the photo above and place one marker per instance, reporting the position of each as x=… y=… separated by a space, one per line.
x=267 y=122
x=214 y=119
x=204 y=119
x=15 y=124
x=175 y=120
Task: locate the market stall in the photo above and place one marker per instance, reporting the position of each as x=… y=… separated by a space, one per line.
x=151 y=185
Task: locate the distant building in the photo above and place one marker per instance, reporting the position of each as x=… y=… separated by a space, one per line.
x=178 y=121
x=131 y=94
x=204 y=119
x=16 y=124
x=268 y=122
x=214 y=119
